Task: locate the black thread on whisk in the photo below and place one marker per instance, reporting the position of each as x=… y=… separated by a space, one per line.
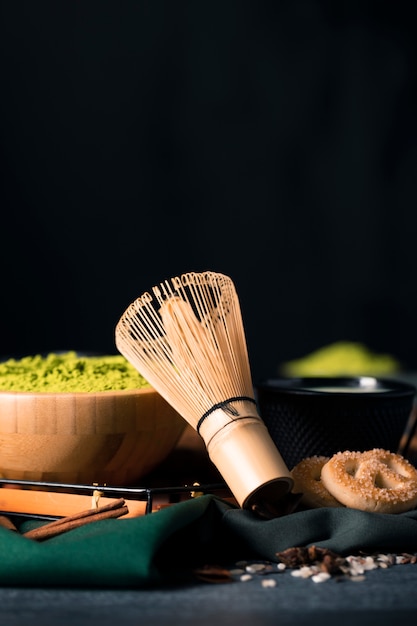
x=225 y=406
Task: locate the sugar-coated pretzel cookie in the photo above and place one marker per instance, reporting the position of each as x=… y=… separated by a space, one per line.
x=375 y=480
x=307 y=480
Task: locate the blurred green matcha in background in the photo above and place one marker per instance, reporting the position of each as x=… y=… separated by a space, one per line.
x=343 y=358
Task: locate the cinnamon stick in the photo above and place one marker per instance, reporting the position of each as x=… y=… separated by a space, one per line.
x=57 y=504
x=113 y=510
x=6 y=522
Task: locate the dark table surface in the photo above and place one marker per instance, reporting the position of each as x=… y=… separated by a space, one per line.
x=384 y=597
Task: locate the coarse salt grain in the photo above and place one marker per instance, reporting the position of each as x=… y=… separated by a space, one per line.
x=255 y=568
x=246 y=578
x=320 y=577
x=359 y=565
x=304 y=572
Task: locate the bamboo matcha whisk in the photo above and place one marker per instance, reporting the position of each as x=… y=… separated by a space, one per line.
x=186 y=337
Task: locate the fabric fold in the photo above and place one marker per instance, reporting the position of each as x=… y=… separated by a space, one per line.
x=164 y=547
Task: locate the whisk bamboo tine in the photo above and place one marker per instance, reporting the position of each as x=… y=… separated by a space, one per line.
x=186 y=337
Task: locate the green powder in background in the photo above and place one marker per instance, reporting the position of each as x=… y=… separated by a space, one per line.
x=69 y=372
x=342 y=358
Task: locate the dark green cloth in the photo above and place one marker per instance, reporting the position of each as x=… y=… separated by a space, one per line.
x=164 y=547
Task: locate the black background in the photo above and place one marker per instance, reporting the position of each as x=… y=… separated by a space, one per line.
x=272 y=141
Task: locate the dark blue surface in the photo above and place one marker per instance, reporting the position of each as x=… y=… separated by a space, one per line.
x=385 y=597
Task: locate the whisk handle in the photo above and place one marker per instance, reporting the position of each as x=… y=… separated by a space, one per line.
x=247 y=458
x=226 y=406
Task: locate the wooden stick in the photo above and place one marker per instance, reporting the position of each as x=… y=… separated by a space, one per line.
x=114 y=504
x=113 y=510
x=5 y=522
x=55 y=504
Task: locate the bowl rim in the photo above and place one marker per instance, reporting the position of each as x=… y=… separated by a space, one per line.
x=82 y=354
x=318 y=386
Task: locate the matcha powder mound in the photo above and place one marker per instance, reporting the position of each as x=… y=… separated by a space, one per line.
x=69 y=372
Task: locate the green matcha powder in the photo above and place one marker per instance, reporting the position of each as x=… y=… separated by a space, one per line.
x=69 y=372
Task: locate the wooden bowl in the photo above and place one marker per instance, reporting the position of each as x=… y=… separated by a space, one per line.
x=108 y=437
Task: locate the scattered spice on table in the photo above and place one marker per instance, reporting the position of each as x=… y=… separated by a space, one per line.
x=317 y=564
